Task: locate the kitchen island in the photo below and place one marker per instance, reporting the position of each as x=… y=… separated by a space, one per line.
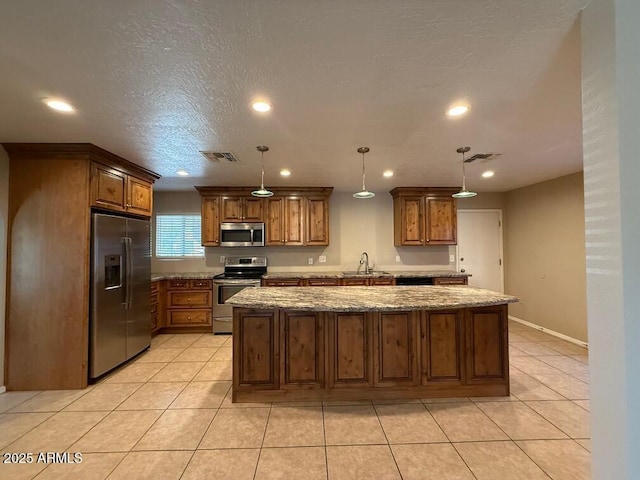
x=368 y=343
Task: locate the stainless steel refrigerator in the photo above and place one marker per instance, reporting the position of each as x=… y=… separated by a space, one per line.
x=120 y=316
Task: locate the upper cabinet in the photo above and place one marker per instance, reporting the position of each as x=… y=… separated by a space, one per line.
x=241 y=209
x=292 y=217
x=113 y=189
x=424 y=216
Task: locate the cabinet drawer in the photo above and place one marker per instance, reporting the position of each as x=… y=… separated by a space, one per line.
x=155 y=287
x=178 y=284
x=189 y=299
x=382 y=281
x=355 y=281
x=200 y=284
x=282 y=282
x=154 y=298
x=323 y=282
x=450 y=281
x=154 y=308
x=186 y=318
x=154 y=322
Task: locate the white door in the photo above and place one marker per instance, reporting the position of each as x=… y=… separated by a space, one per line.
x=480 y=247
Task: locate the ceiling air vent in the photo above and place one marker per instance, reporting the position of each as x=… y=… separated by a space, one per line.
x=220 y=157
x=483 y=157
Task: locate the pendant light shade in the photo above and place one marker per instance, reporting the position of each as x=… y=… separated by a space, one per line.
x=262 y=192
x=364 y=193
x=464 y=193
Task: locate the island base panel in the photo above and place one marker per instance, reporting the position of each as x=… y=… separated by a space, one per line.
x=286 y=355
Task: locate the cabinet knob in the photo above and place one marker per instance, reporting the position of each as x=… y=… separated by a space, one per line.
x=422 y=239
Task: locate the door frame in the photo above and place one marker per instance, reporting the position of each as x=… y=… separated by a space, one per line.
x=501 y=231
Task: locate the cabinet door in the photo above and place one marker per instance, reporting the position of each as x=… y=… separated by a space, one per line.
x=231 y=209
x=382 y=281
x=256 y=349
x=139 y=196
x=350 y=350
x=210 y=236
x=317 y=221
x=274 y=223
x=108 y=187
x=486 y=343
x=441 y=221
x=411 y=221
x=302 y=350
x=252 y=209
x=441 y=347
x=322 y=282
x=294 y=221
x=396 y=362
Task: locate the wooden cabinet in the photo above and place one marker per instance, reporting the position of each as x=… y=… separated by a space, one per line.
x=424 y=216
x=241 y=209
x=350 y=350
x=115 y=190
x=256 y=343
x=395 y=353
x=378 y=281
x=487 y=345
x=317 y=221
x=302 y=350
x=52 y=188
x=282 y=282
x=322 y=282
x=210 y=221
x=189 y=303
x=297 y=216
x=285 y=221
x=441 y=344
x=158 y=305
x=354 y=281
x=450 y=281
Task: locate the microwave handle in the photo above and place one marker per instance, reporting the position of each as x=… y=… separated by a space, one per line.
x=252 y=236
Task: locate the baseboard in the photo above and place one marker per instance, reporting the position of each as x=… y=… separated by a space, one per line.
x=550 y=332
x=3 y=389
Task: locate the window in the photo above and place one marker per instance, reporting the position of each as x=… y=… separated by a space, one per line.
x=178 y=236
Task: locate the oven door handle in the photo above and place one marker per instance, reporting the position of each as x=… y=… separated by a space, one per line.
x=252 y=236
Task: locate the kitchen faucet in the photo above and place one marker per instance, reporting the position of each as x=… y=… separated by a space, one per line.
x=364 y=259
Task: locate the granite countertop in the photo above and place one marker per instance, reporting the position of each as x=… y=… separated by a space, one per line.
x=346 y=274
x=362 y=299
x=183 y=276
x=311 y=274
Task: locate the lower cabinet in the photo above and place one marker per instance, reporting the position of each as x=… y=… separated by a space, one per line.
x=189 y=303
x=450 y=281
x=294 y=355
x=158 y=305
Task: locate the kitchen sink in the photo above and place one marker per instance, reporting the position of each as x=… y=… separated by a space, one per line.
x=356 y=273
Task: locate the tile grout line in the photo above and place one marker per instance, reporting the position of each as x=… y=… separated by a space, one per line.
x=264 y=435
x=387 y=439
x=324 y=435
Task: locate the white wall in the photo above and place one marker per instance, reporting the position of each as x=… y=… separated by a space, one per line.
x=4 y=214
x=611 y=121
x=355 y=226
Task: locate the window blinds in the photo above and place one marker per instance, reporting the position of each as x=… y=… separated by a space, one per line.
x=178 y=236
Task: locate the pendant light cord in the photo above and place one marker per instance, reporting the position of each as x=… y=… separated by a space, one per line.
x=363 y=187
x=262 y=168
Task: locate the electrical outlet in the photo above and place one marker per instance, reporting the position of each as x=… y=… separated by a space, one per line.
x=221 y=258
x=322 y=259
x=310 y=260
x=452 y=258
x=398 y=258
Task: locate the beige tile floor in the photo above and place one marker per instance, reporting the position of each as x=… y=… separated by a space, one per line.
x=168 y=415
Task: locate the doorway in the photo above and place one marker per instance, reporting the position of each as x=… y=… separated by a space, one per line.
x=479 y=250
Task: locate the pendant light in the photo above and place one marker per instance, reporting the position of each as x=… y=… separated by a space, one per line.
x=464 y=193
x=364 y=193
x=263 y=192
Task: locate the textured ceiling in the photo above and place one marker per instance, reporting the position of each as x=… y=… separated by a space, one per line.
x=158 y=81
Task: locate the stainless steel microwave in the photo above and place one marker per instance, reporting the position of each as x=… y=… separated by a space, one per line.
x=242 y=234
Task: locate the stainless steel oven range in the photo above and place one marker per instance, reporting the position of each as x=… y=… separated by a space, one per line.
x=239 y=273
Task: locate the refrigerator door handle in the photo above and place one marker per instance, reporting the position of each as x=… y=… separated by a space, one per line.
x=129 y=272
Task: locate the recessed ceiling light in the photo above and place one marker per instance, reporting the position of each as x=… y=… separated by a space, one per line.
x=58 y=105
x=285 y=172
x=182 y=173
x=488 y=174
x=388 y=173
x=458 y=110
x=261 y=106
